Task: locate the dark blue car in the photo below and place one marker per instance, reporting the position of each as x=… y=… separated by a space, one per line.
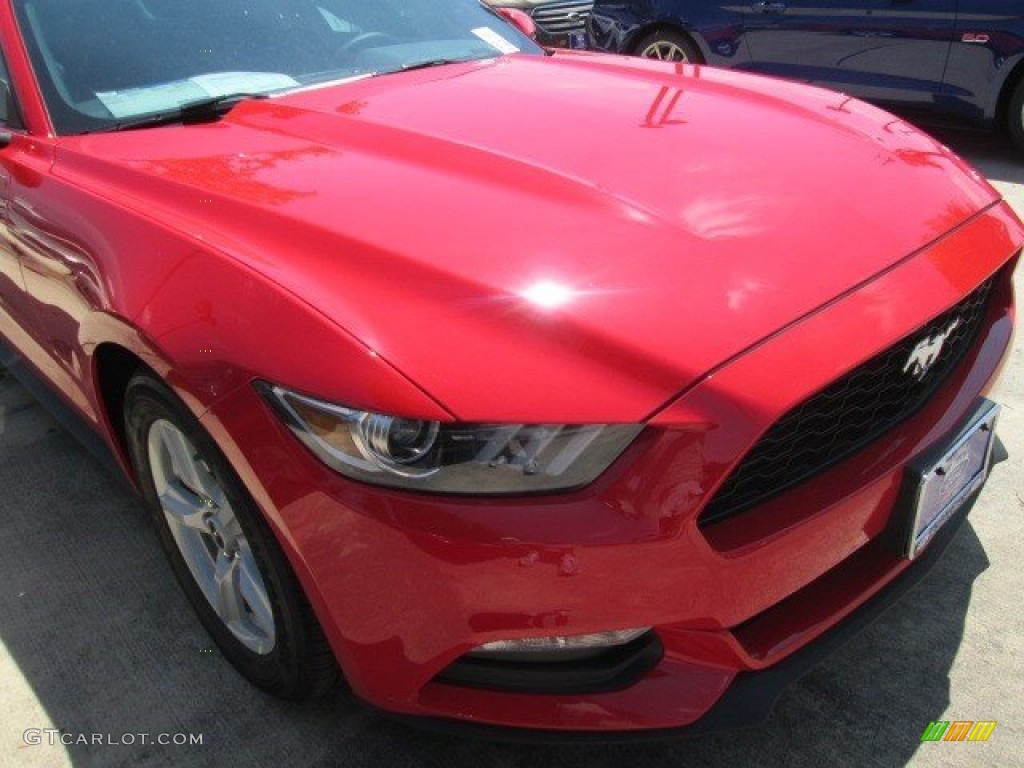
x=937 y=60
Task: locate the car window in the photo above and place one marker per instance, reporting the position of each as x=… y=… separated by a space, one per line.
x=103 y=61
x=9 y=115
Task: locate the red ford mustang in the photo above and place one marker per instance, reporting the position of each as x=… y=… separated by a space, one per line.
x=554 y=391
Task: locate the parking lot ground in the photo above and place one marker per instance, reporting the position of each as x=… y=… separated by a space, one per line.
x=95 y=638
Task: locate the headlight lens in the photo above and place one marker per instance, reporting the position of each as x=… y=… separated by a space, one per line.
x=475 y=459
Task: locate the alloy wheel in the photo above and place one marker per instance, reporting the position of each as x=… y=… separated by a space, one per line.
x=209 y=537
x=664 y=50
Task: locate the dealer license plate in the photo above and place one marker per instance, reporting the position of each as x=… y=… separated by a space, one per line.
x=578 y=41
x=944 y=483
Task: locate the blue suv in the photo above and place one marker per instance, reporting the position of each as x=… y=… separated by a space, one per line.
x=952 y=61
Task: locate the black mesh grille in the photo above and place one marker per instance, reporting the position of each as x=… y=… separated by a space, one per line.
x=852 y=412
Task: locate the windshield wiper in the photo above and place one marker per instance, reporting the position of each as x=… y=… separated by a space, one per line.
x=427 y=63
x=199 y=111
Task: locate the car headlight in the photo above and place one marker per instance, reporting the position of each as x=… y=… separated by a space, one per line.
x=476 y=459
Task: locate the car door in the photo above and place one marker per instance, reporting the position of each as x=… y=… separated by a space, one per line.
x=890 y=51
x=14 y=310
x=45 y=278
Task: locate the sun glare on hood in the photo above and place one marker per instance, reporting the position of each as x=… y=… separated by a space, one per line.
x=548 y=294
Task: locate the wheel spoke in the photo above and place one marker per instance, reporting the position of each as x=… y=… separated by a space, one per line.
x=255 y=594
x=210 y=486
x=228 y=604
x=183 y=459
x=183 y=507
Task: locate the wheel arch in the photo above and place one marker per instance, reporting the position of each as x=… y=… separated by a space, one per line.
x=113 y=367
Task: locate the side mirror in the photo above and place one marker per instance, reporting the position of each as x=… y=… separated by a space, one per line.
x=520 y=20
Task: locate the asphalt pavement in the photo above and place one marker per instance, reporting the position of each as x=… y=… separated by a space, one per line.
x=97 y=640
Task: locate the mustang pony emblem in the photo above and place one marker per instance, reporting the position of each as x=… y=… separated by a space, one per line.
x=927 y=352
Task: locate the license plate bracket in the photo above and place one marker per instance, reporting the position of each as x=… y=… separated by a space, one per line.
x=941 y=480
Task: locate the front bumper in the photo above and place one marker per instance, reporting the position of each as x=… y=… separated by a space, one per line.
x=405 y=584
x=749 y=700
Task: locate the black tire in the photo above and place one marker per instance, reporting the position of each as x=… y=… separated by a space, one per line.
x=300 y=664
x=670 y=40
x=1015 y=115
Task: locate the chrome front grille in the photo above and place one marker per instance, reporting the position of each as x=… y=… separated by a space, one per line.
x=561 y=18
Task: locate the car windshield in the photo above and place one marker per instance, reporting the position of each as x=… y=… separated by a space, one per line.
x=105 y=63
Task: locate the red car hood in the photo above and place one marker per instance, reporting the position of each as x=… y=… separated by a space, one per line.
x=575 y=238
